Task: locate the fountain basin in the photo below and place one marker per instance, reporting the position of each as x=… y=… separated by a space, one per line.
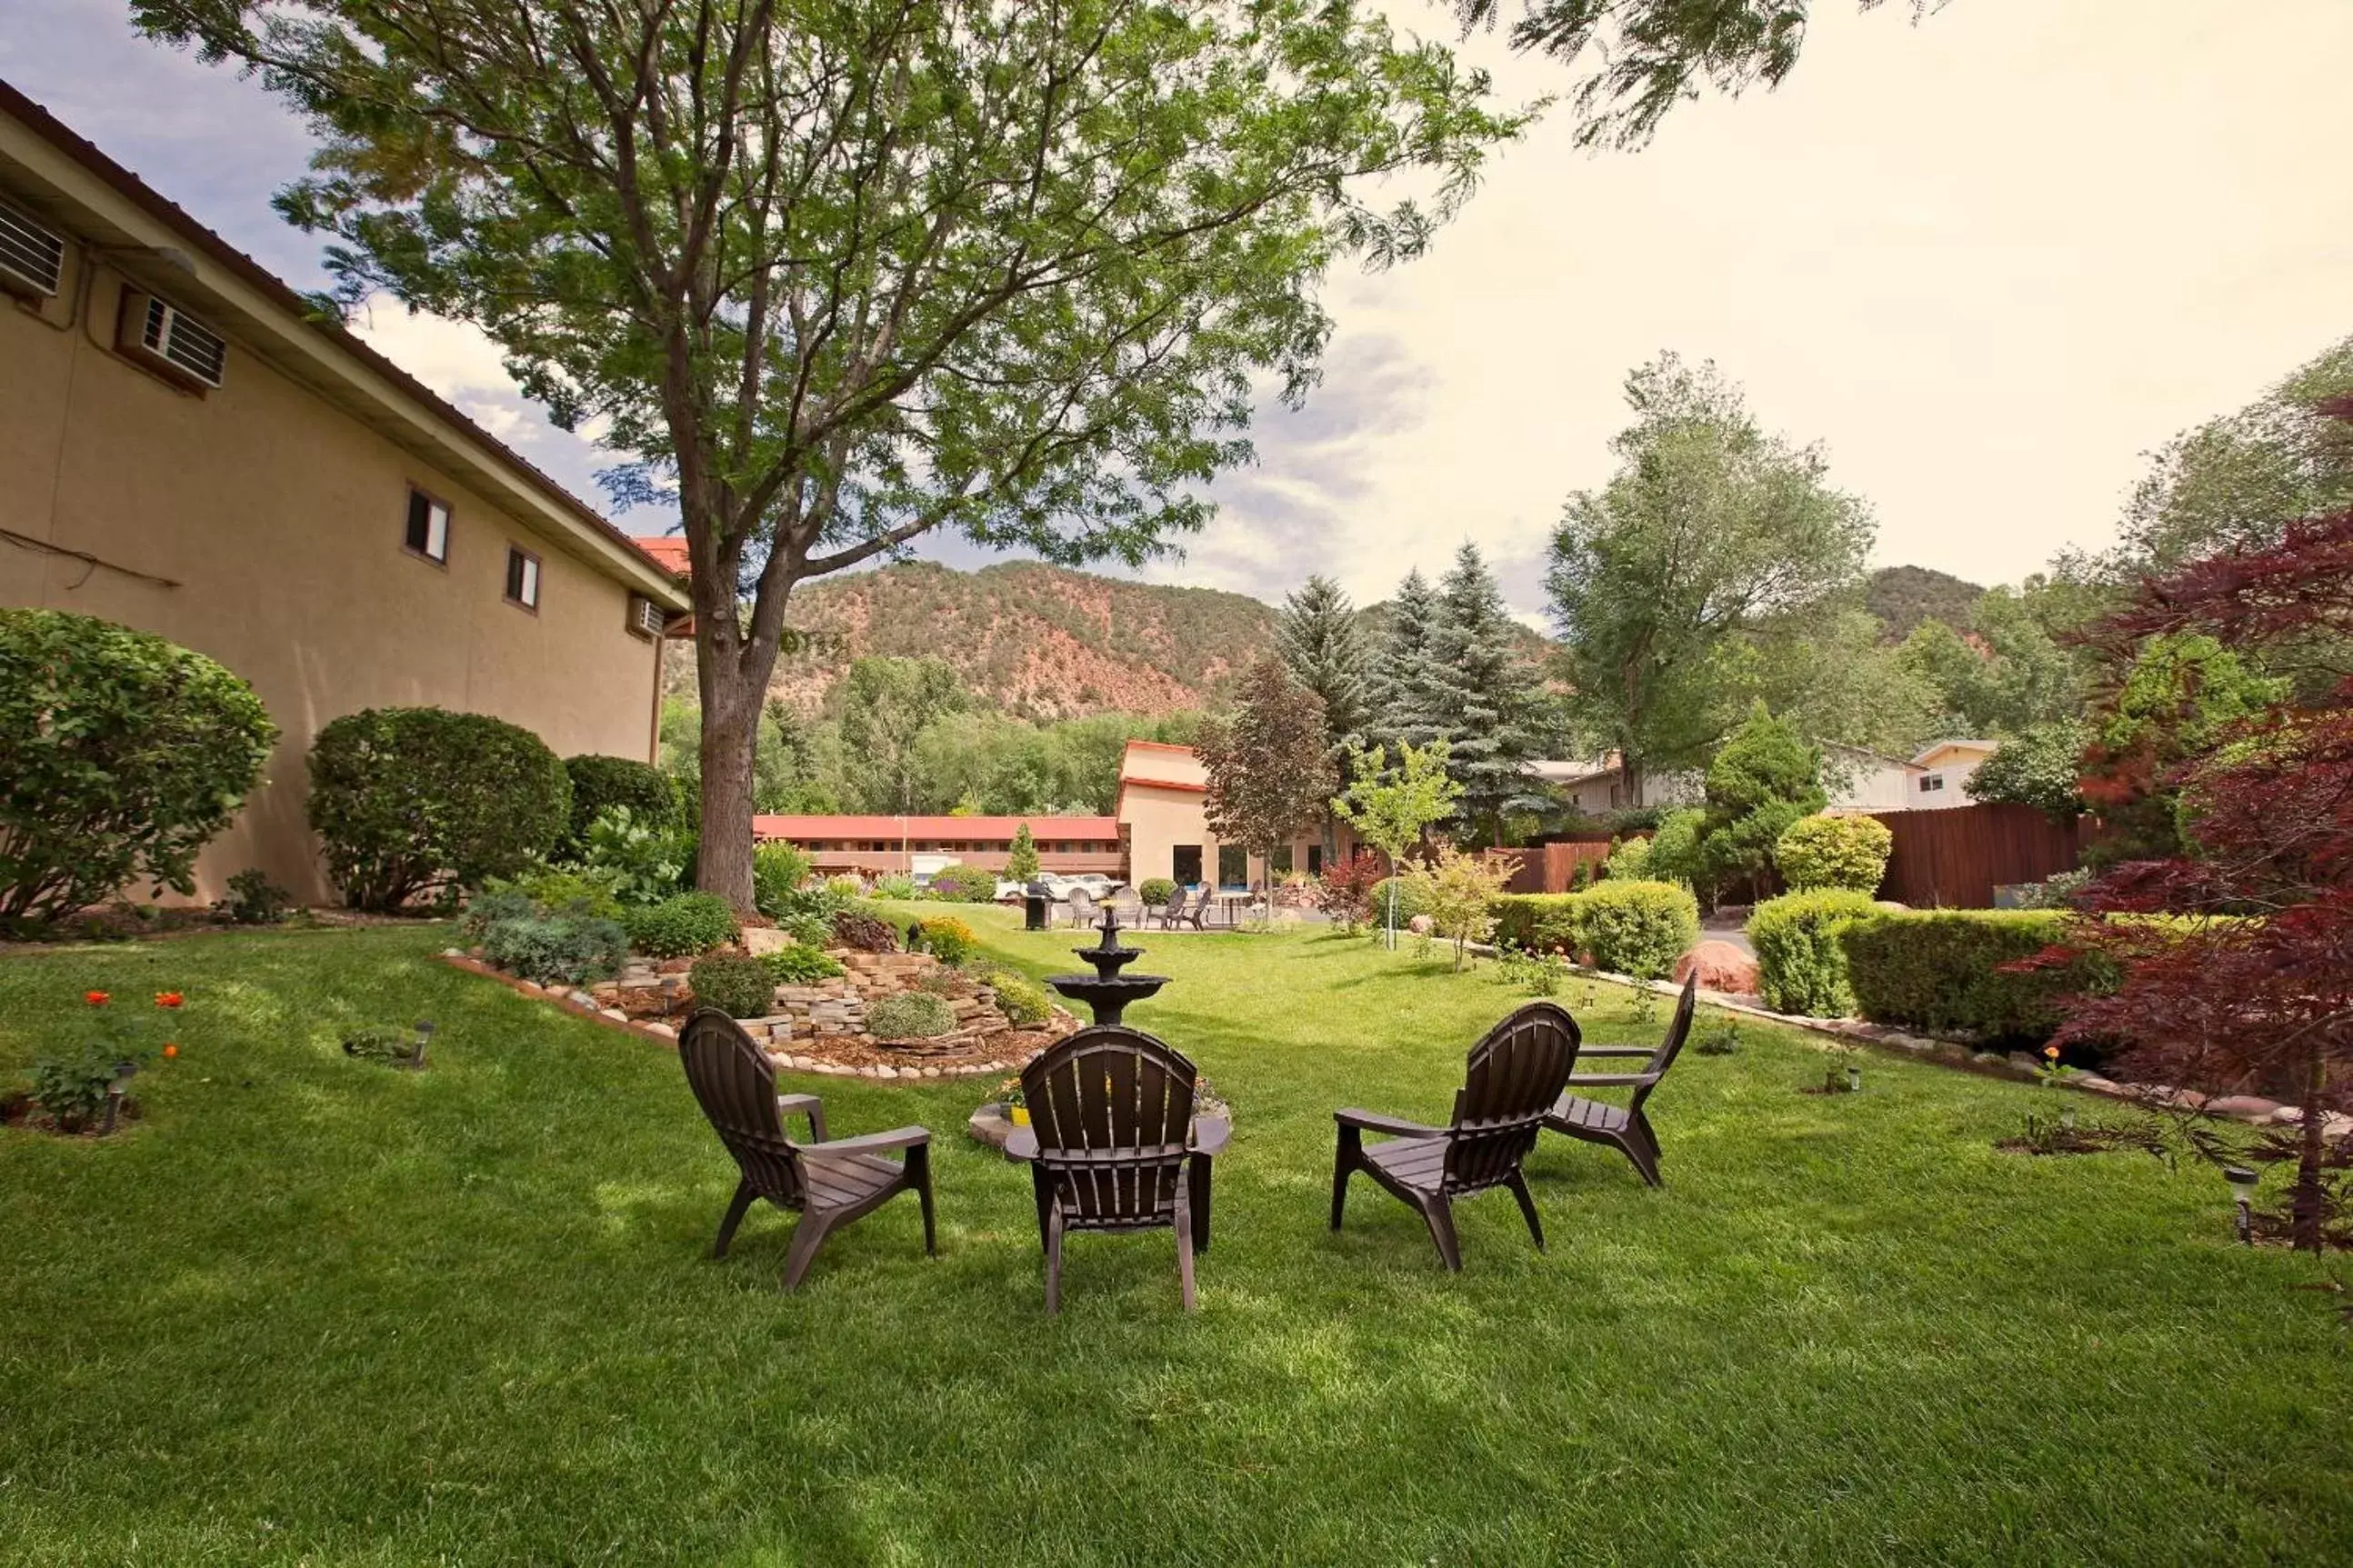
x=1108 y=995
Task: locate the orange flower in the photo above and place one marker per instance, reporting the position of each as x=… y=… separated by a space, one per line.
x=168 y=998
x=95 y=998
x=2050 y=1051
x=169 y=1050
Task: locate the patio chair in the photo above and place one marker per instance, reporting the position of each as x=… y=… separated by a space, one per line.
x=1174 y=909
x=1082 y=909
x=828 y=1184
x=1514 y=1075
x=1111 y=1145
x=1625 y=1128
x=1203 y=898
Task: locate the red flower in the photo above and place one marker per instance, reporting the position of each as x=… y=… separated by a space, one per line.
x=169 y=1050
x=95 y=998
x=168 y=998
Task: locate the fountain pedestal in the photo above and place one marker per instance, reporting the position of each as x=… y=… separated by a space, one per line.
x=1107 y=991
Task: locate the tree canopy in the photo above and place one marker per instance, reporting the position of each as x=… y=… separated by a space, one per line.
x=1269 y=769
x=1486 y=698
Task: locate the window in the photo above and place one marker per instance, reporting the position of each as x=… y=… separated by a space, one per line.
x=1233 y=866
x=1931 y=780
x=1316 y=859
x=1184 y=864
x=429 y=528
x=523 y=578
x=1280 y=863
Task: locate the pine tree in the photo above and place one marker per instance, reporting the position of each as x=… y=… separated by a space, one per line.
x=1318 y=635
x=1487 y=694
x=1021 y=862
x=1406 y=706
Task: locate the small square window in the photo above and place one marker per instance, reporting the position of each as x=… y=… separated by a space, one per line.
x=429 y=528
x=1934 y=780
x=523 y=578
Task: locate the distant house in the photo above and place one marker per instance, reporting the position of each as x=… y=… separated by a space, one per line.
x=1855 y=780
x=1941 y=769
x=874 y=845
x=1163 y=806
x=191 y=451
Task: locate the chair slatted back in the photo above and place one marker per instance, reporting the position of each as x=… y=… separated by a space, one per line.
x=736 y=1085
x=1175 y=909
x=1513 y=1078
x=1113 y=1110
x=1664 y=1057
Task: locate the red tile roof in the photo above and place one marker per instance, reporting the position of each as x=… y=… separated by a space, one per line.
x=961 y=829
x=670 y=549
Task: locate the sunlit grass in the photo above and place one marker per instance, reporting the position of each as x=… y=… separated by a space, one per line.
x=319 y=1311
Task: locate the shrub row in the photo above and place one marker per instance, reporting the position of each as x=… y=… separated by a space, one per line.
x=1635 y=928
x=1800 y=965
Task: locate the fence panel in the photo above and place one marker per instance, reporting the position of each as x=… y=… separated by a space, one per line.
x=1954 y=859
x=1550 y=868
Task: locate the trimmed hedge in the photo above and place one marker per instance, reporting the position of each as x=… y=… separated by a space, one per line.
x=598 y=782
x=738 y=985
x=680 y=927
x=1940 y=970
x=1849 y=852
x=1800 y=965
x=1540 y=922
x=419 y=800
x=1633 y=927
x=124 y=755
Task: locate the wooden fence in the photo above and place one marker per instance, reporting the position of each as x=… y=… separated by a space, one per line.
x=1954 y=859
x=1548 y=867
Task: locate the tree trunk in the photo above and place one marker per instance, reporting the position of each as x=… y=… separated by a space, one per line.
x=734 y=680
x=2307 y=1207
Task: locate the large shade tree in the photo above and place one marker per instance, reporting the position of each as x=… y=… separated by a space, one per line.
x=842 y=272
x=1269 y=769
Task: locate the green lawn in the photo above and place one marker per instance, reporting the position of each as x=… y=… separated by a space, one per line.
x=319 y=1312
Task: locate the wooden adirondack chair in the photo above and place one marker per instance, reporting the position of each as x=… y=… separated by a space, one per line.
x=1513 y=1078
x=828 y=1184
x=1111 y=1145
x=1625 y=1128
x=1082 y=909
x=1173 y=910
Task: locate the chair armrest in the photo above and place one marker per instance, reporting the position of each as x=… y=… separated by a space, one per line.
x=1616 y=1050
x=1609 y=1080
x=1209 y=1134
x=897 y=1138
x=1395 y=1126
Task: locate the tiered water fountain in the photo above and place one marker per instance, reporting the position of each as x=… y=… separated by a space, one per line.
x=1107 y=991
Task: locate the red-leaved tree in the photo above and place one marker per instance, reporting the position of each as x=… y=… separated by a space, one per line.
x=2248 y=985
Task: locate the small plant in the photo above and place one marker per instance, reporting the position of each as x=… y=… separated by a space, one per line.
x=864 y=932
x=898 y=885
x=1646 y=1005
x=1537 y=974
x=846 y=887
x=1009 y=1094
x=1156 y=892
x=82 y=1087
x=778 y=869
x=1020 y=999
x=2051 y=1070
x=2061 y=1135
x=254 y=899
x=944 y=983
x=910 y=1016
x=644 y=861
x=808 y=930
x=563 y=890
x=1208 y=1101
x=738 y=985
x=1722 y=1041
x=948 y=938
x=556 y=950
x=389 y=1044
x=681 y=927
x=801 y=965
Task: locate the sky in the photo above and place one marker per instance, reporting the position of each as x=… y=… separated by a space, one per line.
x=1987 y=260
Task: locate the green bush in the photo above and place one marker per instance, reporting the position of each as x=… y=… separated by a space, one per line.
x=801 y=965
x=601 y=782
x=677 y=928
x=1637 y=928
x=71 y=1084
x=739 y=987
x=809 y=931
x=1628 y=861
x=964 y=884
x=1537 y=922
x=845 y=887
x=910 y=1016
x=1800 y=965
x=896 y=885
x=560 y=890
x=778 y=869
x=1674 y=847
x=552 y=949
x=418 y=800
x=1156 y=892
x=125 y=754
x=1940 y=970
x=254 y=899
x=948 y=938
x=1847 y=852
x=1022 y=1000
x=1410 y=902
x=646 y=862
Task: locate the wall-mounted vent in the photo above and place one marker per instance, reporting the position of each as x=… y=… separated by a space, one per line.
x=645 y=616
x=32 y=259
x=166 y=337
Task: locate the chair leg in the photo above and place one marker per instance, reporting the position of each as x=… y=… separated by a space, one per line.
x=1438 y=1210
x=1184 y=1245
x=1197 y=1173
x=919 y=1172
x=1519 y=1186
x=1642 y=1146
x=739 y=1206
x=1053 y=1262
x=1344 y=1163
x=808 y=1236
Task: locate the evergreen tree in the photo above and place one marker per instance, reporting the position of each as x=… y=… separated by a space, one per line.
x=1318 y=635
x=1021 y=862
x=1405 y=703
x=1487 y=694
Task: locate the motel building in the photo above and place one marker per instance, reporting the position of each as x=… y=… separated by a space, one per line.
x=1158 y=827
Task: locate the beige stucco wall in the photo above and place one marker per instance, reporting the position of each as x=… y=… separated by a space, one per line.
x=282 y=517
x=1158 y=819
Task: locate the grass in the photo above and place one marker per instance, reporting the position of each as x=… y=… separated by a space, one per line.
x=315 y=1310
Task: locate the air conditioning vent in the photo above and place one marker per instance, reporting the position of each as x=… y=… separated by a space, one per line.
x=32 y=259
x=164 y=336
x=645 y=616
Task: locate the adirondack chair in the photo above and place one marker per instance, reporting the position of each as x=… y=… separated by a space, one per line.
x=1174 y=909
x=1625 y=1128
x=1514 y=1075
x=1111 y=1145
x=828 y=1184
x=1203 y=899
x=1082 y=909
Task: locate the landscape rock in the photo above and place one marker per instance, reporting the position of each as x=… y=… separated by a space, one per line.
x=1720 y=966
x=2245 y=1107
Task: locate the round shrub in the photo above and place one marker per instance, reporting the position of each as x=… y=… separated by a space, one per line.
x=416 y=800
x=737 y=985
x=1674 y=847
x=556 y=950
x=1538 y=923
x=801 y=965
x=1021 y=1000
x=949 y=938
x=964 y=884
x=1849 y=852
x=126 y=753
x=1637 y=928
x=910 y=1016
x=865 y=932
x=1802 y=964
x=598 y=782
x=1156 y=892
x=679 y=927
x=1410 y=902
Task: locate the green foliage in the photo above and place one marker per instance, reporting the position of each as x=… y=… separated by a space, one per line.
x=964 y=884
x=910 y=1016
x=1397 y=900
x=1488 y=697
x=1763 y=780
x=643 y=862
x=896 y=885
x=1390 y=810
x=801 y=965
x=1637 y=928
x=1849 y=852
x=1408 y=708
x=1901 y=598
x=558 y=890
x=2181 y=699
x=1538 y=923
x=599 y=783
x=1156 y=892
x=1022 y=860
x=845 y=887
x=882 y=705
x=1323 y=647
x=1269 y=763
x=680 y=926
x=381 y=1042
x=738 y=985
x=556 y=948
x=124 y=755
x=1674 y=847
x=1537 y=974
x=2012 y=672
x=778 y=869
x=254 y=899
x=1800 y=965
x=1942 y=971
x=1457 y=891
x=948 y=939
x=1022 y=1000
x=2037 y=767
x=72 y=1084
x=1628 y=861
x=865 y=932
x=410 y=801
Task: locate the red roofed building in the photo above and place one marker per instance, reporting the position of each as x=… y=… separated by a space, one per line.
x=670 y=549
